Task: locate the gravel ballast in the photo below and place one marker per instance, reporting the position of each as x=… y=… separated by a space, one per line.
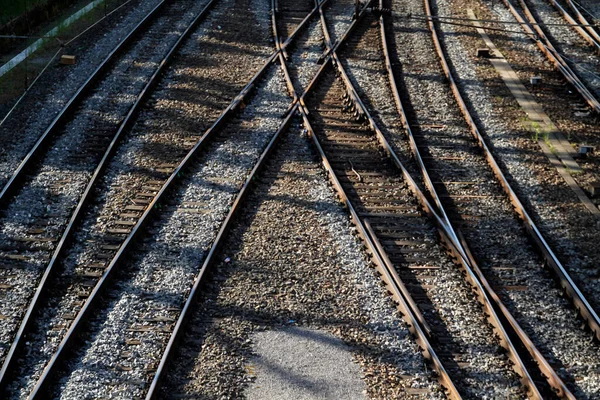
x=190 y=96
x=58 y=85
x=302 y=363
x=45 y=203
x=576 y=51
x=157 y=281
x=556 y=333
x=464 y=320
x=292 y=261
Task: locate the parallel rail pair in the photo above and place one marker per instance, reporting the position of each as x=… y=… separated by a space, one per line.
x=535 y=31
x=91 y=303
x=462 y=250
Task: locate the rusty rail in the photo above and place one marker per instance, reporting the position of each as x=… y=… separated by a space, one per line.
x=17 y=344
x=442 y=223
x=566 y=282
x=91 y=302
x=590 y=28
x=40 y=147
x=461 y=251
x=551 y=53
x=588 y=34
x=543 y=364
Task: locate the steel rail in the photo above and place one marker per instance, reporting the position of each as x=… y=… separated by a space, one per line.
x=297 y=104
x=551 y=376
x=174 y=178
x=587 y=33
x=551 y=53
x=208 y=261
x=40 y=148
x=86 y=198
x=384 y=257
x=405 y=309
x=43 y=381
x=590 y=28
x=390 y=276
x=63 y=46
x=443 y=225
x=565 y=280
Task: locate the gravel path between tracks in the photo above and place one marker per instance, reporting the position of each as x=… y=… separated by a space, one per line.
x=465 y=320
x=294 y=262
x=48 y=199
x=166 y=267
x=338 y=14
x=303 y=64
x=188 y=99
x=557 y=333
x=574 y=49
x=51 y=94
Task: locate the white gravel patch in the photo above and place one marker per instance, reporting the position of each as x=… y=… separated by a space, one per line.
x=303 y=363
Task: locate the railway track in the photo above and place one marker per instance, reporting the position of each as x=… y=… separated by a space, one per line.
x=151 y=295
x=578 y=68
x=289 y=15
x=124 y=61
x=129 y=227
x=407 y=240
x=456 y=164
x=141 y=167
x=191 y=345
x=564 y=221
x=170 y=191
x=35 y=221
x=402 y=244
x=575 y=15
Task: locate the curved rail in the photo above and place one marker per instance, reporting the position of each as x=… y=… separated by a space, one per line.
x=565 y=280
x=40 y=147
x=218 y=242
x=382 y=267
x=442 y=223
x=86 y=198
x=551 y=376
x=138 y=229
x=297 y=104
x=551 y=53
x=85 y=311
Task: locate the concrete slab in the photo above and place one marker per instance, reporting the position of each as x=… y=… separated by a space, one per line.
x=299 y=363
